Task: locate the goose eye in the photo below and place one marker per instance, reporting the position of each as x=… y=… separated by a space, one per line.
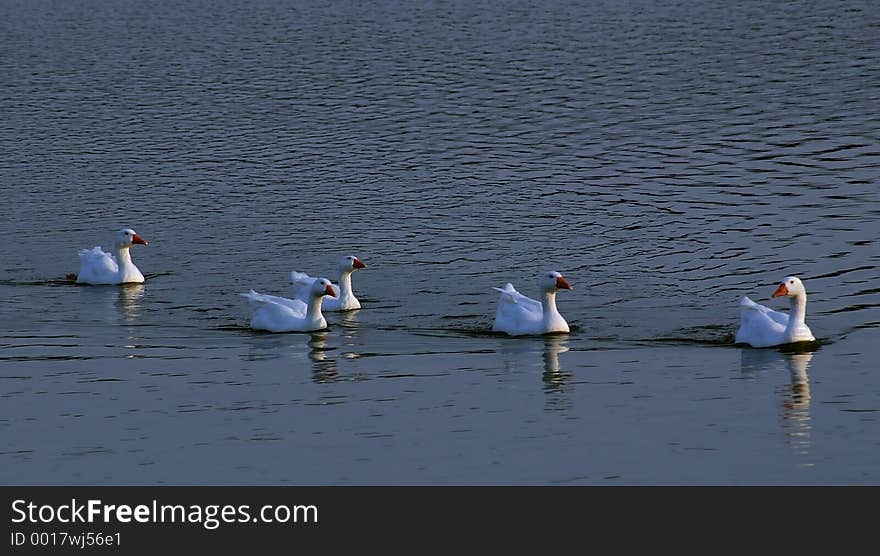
x=791 y=281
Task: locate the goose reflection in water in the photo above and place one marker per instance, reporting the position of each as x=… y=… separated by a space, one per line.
x=130 y=298
x=113 y=304
x=556 y=380
x=554 y=376
x=796 y=394
x=530 y=353
x=324 y=367
x=348 y=325
x=796 y=409
x=121 y=304
x=129 y=301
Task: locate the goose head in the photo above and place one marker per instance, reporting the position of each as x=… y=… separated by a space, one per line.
x=553 y=281
x=322 y=287
x=350 y=263
x=128 y=237
x=791 y=286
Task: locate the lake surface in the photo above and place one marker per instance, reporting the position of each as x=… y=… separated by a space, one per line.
x=666 y=157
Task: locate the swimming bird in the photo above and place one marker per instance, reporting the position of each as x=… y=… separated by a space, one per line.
x=761 y=326
x=345 y=299
x=519 y=315
x=279 y=314
x=99 y=267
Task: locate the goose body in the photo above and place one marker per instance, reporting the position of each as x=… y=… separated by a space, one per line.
x=96 y=266
x=519 y=315
x=345 y=299
x=279 y=314
x=761 y=326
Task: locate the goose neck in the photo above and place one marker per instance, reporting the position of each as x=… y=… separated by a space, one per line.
x=123 y=256
x=798 y=313
x=313 y=311
x=344 y=284
x=548 y=303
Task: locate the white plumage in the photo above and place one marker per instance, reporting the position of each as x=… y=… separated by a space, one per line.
x=279 y=314
x=345 y=299
x=518 y=315
x=761 y=326
x=96 y=266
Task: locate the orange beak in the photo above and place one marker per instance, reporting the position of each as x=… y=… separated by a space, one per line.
x=562 y=284
x=138 y=239
x=358 y=264
x=780 y=291
x=329 y=291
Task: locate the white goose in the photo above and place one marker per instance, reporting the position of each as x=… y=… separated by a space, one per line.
x=345 y=299
x=519 y=315
x=761 y=326
x=99 y=267
x=279 y=314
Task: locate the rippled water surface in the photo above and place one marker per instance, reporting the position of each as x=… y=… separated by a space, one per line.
x=667 y=157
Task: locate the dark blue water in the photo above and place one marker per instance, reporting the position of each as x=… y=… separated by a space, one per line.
x=668 y=158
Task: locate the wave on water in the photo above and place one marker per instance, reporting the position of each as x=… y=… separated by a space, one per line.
x=725 y=336
x=70 y=280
